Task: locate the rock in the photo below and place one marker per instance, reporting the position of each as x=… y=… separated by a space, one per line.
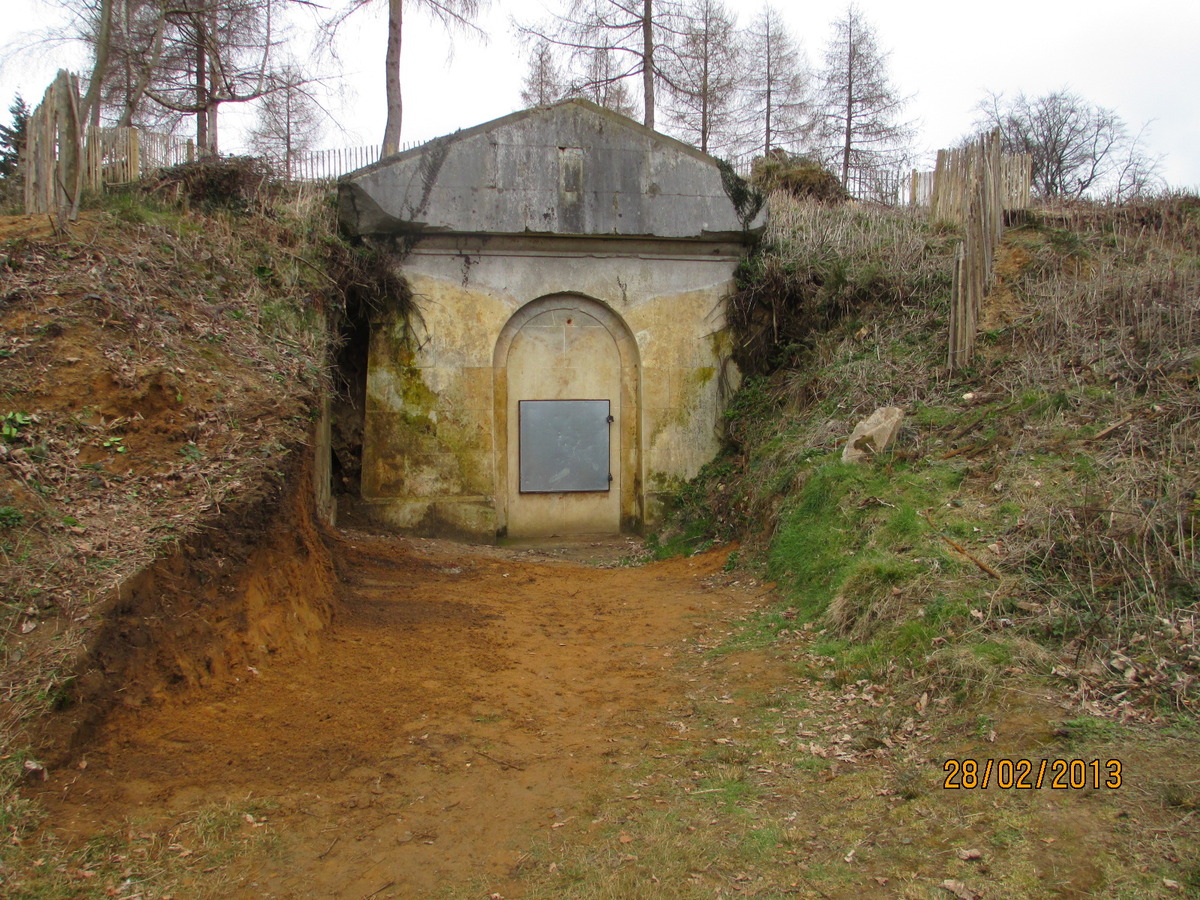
x=873 y=434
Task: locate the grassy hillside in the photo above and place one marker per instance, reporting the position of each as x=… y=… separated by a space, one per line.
x=1039 y=509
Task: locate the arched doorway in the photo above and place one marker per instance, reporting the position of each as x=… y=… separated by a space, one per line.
x=566 y=377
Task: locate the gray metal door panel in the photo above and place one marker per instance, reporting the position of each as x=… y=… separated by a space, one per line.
x=564 y=445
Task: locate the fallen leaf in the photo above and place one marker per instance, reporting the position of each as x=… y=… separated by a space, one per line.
x=960 y=890
x=625 y=838
x=1172 y=885
x=969 y=854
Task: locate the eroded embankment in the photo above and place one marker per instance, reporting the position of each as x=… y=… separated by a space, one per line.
x=255 y=581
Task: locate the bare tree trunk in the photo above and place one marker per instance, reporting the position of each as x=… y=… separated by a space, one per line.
x=135 y=93
x=648 y=61
x=395 y=103
x=769 y=105
x=202 y=86
x=91 y=103
x=211 y=115
x=849 y=105
x=849 y=136
x=287 y=147
x=215 y=75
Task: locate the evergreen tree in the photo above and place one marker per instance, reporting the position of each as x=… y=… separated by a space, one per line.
x=12 y=138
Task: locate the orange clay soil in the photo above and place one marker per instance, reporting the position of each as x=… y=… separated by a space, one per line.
x=465 y=702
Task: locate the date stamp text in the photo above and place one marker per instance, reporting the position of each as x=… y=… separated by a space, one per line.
x=1032 y=774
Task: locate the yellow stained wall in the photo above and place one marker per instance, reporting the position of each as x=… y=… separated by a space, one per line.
x=438 y=455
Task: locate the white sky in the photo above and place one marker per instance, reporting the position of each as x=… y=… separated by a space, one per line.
x=1143 y=60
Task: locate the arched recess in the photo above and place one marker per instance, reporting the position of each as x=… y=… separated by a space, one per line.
x=567 y=347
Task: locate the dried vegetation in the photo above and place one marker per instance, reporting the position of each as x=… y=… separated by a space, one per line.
x=1043 y=501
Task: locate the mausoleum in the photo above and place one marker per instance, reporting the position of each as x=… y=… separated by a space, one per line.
x=568 y=362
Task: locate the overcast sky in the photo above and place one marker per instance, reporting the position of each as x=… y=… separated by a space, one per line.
x=1140 y=59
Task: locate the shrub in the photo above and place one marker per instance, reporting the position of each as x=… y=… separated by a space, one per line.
x=801 y=176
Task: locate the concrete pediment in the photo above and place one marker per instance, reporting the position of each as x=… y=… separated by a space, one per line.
x=569 y=169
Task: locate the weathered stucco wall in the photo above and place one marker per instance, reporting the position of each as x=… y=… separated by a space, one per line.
x=439 y=454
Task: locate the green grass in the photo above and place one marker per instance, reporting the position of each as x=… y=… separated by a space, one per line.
x=134 y=859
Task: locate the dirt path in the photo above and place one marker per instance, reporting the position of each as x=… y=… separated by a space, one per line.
x=467 y=702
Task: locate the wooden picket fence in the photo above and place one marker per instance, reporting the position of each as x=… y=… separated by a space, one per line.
x=974 y=186
x=52 y=160
x=949 y=190
x=920 y=188
x=123 y=155
x=62 y=158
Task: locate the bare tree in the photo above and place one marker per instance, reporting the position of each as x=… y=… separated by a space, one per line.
x=1077 y=147
x=126 y=41
x=778 y=107
x=139 y=44
x=609 y=41
x=600 y=82
x=188 y=57
x=1137 y=172
x=860 y=108
x=289 y=121
x=543 y=82
x=703 y=73
x=451 y=13
x=221 y=52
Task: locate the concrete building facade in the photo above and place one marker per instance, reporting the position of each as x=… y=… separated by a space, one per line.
x=569 y=361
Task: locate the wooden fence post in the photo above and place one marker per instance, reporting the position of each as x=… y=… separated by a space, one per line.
x=70 y=148
x=135 y=154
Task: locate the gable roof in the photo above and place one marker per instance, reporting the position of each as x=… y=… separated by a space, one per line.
x=573 y=168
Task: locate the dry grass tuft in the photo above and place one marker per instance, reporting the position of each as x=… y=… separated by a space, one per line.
x=822 y=265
